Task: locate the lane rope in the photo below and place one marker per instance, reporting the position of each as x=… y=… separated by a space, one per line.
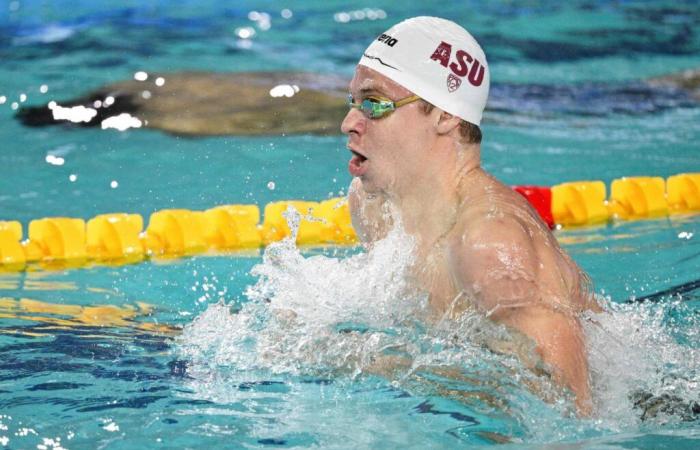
x=119 y=238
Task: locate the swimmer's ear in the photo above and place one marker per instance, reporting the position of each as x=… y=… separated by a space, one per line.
x=447 y=122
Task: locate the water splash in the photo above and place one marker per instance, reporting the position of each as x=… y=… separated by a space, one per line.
x=309 y=313
x=645 y=361
x=344 y=318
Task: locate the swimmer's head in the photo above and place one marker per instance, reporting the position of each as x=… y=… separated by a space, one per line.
x=437 y=60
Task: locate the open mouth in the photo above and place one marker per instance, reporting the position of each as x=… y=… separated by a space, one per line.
x=357 y=166
x=359 y=156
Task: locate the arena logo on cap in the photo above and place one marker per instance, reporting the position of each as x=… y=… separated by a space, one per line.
x=459 y=67
x=388 y=40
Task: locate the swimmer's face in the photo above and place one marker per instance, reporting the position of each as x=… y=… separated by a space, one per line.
x=389 y=152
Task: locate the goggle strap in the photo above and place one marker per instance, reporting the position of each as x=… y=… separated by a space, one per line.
x=378 y=109
x=406 y=100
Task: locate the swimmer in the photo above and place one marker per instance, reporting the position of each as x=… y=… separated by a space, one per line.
x=416 y=101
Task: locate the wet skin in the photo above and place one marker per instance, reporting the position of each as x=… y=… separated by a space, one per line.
x=479 y=244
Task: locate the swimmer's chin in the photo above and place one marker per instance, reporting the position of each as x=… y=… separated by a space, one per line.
x=370 y=190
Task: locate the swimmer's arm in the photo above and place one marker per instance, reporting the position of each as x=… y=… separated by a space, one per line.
x=368 y=213
x=496 y=265
x=560 y=344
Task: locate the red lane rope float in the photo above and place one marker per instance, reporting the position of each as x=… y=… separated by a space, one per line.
x=121 y=238
x=540 y=198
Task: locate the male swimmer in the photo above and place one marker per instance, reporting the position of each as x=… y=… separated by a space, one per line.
x=417 y=99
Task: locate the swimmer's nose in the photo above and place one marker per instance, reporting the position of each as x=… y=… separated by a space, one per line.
x=354 y=121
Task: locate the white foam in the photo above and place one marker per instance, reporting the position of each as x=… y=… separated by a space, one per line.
x=325 y=316
x=289 y=323
x=636 y=348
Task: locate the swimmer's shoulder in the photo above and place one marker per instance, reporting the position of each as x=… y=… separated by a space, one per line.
x=488 y=235
x=494 y=216
x=499 y=206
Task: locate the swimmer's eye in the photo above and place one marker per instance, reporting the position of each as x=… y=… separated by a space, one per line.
x=374 y=107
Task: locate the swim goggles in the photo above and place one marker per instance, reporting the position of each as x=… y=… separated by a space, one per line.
x=374 y=107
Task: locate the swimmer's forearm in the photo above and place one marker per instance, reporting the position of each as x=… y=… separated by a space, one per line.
x=571 y=371
x=560 y=345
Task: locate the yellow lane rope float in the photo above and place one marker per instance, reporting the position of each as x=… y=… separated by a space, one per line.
x=120 y=237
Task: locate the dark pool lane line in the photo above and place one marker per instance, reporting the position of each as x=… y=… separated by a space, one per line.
x=428 y=408
x=57 y=386
x=679 y=290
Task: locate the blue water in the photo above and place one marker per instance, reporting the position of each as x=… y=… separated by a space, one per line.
x=568 y=102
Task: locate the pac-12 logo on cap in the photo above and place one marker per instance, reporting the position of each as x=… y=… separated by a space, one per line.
x=453 y=82
x=459 y=67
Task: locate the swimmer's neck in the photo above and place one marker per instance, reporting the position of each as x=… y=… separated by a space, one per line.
x=429 y=210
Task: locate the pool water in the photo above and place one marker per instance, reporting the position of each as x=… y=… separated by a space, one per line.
x=203 y=351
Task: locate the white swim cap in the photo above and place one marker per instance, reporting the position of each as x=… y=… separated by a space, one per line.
x=437 y=60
